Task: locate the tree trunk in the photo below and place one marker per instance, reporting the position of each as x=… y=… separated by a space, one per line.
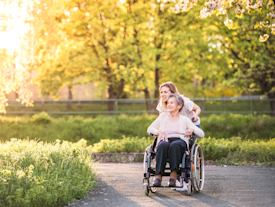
x=114 y=95
x=111 y=107
x=157 y=83
x=202 y=106
x=111 y=104
x=195 y=81
x=268 y=85
x=272 y=103
x=148 y=102
x=70 y=97
x=156 y=95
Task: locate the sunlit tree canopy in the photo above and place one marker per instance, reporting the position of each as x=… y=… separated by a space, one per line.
x=15 y=51
x=209 y=48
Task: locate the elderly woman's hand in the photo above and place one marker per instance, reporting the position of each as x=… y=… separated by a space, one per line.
x=162 y=136
x=189 y=132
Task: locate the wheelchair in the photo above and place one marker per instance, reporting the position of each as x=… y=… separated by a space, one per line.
x=192 y=173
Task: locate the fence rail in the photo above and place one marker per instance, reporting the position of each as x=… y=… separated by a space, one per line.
x=137 y=106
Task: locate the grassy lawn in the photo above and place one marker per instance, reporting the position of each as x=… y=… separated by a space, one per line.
x=93 y=129
x=207 y=107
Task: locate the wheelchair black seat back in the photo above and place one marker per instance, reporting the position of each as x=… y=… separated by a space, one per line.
x=191 y=168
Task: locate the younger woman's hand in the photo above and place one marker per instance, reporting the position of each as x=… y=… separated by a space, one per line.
x=189 y=132
x=162 y=136
x=195 y=116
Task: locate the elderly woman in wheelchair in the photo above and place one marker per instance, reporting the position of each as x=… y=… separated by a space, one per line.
x=173 y=131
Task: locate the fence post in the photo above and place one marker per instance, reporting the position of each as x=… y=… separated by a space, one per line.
x=251 y=106
x=116 y=107
x=49 y=112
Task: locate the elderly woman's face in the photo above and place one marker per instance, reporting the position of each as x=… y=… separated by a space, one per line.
x=172 y=105
x=164 y=93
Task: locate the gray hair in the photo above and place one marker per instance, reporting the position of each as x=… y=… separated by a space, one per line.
x=178 y=98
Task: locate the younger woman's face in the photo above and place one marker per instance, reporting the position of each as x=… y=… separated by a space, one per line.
x=172 y=105
x=164 y=93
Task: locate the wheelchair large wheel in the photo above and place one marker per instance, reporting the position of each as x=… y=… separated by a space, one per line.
x=197 y=168
x=148 y=165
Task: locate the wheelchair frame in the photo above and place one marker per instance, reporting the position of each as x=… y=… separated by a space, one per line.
x=194 y=173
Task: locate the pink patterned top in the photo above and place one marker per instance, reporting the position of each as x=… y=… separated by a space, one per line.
x=171 y=129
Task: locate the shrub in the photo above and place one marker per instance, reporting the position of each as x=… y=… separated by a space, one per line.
x=237 y=150
x=42 y=118
x=231 y=151
x=237 y=125
x=34 y=173
x=126 y=144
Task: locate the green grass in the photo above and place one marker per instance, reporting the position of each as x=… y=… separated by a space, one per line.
x=45 y=128
x=228 y=106
x=49 y=174
x=219 y=106
x=74 y=128
x=75 y=107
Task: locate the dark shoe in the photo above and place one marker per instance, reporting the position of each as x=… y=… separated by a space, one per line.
x=172 y=182
x=157 y=182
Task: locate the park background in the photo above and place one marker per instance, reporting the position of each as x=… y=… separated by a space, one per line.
x=81 y=77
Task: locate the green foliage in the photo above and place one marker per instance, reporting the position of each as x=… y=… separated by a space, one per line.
x=42 y=118
x=36 y=173
x=135 y=48
x=237 y=150
x=249 y=61
x=126 y=144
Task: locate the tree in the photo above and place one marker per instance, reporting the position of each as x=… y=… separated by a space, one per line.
x=238 y=8
x=14 y=62
x=247 y=52
x=104 y=42
x=101 y=46
x=184 y=55
x=251 y=61
x=59 y=62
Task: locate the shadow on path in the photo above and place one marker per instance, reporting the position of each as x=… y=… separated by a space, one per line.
x=104 y=195
x=233 y=186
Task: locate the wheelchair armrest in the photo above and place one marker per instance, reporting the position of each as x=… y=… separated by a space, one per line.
x=154 y=144
x=191 y=140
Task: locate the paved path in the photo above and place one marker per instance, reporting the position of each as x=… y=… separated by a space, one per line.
x=120 y=185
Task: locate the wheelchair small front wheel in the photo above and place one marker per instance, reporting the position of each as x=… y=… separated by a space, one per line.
x=153 y=189
x=189 y=188
x=146 y=189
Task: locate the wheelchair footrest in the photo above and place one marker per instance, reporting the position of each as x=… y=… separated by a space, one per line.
x=166 y=174
x=165 y=186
